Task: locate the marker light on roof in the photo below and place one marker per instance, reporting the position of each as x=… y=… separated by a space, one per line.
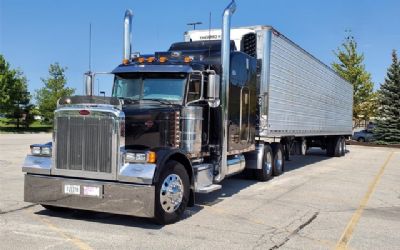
x=163 y=59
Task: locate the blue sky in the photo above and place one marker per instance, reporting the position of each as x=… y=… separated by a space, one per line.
x=34 y=34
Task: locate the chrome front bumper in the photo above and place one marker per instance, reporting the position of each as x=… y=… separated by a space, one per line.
x=118 y=198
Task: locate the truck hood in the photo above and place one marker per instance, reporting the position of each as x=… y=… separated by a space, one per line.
x=149 y=126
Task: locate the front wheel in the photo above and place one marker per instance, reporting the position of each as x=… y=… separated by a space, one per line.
x=172 y=193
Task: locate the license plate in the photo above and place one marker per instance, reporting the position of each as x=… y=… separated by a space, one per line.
x=72 y=189
x=91 y=191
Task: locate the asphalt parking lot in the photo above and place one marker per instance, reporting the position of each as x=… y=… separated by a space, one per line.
x=318 y=203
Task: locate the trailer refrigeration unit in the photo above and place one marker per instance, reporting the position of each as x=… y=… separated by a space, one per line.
x=182 y=120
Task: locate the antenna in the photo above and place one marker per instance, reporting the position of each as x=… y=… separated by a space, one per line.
x=209 y=27
x=90 y=47
x=209 y=34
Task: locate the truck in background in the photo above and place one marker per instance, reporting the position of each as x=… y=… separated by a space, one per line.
x=181 y=121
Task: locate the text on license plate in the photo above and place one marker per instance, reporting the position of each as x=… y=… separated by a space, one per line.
x=72 y=189
x=91 y=191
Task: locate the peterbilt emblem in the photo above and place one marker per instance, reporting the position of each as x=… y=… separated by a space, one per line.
x=149 y=123
x=84 y=112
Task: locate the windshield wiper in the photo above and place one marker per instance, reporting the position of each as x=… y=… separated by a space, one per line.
x=129 y=100
x=162 y=101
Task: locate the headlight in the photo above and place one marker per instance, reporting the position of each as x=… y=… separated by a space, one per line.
x=46 y=151
x=140 y=157
x=35 y=150
x=130 y=157
x=41 y=149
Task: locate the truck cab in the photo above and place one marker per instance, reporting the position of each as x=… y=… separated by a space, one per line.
x=164 y=134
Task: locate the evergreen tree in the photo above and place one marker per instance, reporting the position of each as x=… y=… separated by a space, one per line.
x=53 y=90
x=14 y=95
x=387 y=130
x=352 y=69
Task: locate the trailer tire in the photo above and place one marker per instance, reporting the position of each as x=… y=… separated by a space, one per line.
x=172 y=193
x=342 y=146
x=334 y=145
x=265 y=173
x=278 y=159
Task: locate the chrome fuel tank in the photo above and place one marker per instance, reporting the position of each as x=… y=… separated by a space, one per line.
x=192 y=119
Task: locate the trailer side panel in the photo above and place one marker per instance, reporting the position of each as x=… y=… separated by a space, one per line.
x=305 y=97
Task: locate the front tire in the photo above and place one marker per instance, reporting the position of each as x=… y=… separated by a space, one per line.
x=172 y=193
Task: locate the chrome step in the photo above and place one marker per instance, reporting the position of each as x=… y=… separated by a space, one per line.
x=208 y=189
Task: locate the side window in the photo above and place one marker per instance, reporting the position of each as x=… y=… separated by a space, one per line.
x=194 y=88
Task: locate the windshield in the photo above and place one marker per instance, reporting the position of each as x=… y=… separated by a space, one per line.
x=169 y=87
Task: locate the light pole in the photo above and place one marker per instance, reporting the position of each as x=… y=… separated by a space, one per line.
x=194 y=24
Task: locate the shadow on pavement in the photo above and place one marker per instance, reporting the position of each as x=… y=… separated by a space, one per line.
x=103 y=218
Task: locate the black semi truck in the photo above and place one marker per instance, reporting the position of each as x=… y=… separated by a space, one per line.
x=182 y=120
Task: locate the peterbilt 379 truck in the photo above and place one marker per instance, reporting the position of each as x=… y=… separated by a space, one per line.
x=181 y=121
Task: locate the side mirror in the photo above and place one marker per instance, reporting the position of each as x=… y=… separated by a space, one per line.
x=213 y=90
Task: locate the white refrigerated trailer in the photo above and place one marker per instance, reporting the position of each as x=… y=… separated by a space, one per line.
x=302 y=101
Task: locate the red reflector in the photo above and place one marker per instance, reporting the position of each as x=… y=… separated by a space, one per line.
x=84 y=112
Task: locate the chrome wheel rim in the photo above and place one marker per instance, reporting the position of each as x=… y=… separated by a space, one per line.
x=303 y=147
x=268 y=163
x=171 y=193
x=279 y=160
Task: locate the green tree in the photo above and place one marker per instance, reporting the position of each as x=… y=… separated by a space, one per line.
x=14 y=95
x=54 y=88
x=352 y=69
x=387 y=130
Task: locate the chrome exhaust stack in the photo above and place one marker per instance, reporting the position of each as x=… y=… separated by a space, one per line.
x=224 y=96
x=127 y=36
x=89 y=79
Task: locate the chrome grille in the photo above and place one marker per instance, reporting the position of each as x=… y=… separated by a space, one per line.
x=84 y=143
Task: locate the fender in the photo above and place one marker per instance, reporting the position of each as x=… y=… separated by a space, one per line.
x=165 y=154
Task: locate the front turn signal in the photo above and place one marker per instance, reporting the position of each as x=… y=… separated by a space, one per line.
x=151 y=157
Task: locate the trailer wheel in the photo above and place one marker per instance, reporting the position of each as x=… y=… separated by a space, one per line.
x=265 y=173
x=278 y=160
x=342 y=146
x=334 y=146
x=303 y=147
x=172 y=193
